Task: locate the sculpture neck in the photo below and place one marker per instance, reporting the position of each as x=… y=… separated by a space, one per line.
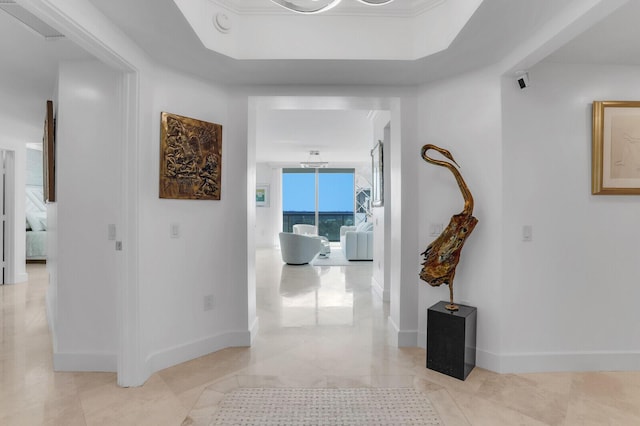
x=464 y=189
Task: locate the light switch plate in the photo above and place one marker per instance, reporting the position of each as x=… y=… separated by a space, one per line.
x=174 y=230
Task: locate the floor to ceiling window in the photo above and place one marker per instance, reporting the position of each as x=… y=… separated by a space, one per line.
x=322 y=197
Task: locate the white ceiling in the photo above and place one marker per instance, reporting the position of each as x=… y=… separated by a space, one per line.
x=614 y=40
x=28 y=71
x=343 y=137
x=28 y=66
x=496 y=29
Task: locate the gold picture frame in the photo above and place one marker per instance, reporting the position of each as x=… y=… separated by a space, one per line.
x=615 y=156
x=190 y=158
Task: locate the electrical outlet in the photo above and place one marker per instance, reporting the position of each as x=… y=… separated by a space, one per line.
x=208 y=302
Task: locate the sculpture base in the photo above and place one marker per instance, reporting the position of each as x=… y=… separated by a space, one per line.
x=451 y=340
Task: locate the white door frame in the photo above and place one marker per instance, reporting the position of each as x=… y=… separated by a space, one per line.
x=61 y=15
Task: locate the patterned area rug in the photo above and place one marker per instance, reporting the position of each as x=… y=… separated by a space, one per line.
x=359 y=406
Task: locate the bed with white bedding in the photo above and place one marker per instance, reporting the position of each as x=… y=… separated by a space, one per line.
x=36 y=244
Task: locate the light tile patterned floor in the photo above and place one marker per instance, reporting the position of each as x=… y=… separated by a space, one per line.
x=328 y=331
x=325 y=407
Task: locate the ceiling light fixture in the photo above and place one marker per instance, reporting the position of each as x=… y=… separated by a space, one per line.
x=314 y=161
x=309 y=7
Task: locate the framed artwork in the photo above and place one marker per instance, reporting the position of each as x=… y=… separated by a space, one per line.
x=377 y=181
x=262 y=195
x=49 y=156
x=190 y=158
x=615 y=156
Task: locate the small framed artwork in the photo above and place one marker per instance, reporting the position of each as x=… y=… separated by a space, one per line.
x=377 y=181
x=262 y=195
x=615 y=156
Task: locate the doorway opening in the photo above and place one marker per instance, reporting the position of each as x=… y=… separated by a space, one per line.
x=272 y=162
x=7 y=208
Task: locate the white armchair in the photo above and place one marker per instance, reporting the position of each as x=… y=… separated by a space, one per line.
x=357 y=241
x=312 y=231
x=298 y=249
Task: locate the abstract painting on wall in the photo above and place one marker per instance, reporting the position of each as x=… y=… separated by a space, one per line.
x=190 y=158
x=262 y=195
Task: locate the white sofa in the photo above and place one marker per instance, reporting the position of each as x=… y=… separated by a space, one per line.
x=357 y=241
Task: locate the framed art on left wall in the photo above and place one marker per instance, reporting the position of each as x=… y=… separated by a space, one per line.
x=49 y=155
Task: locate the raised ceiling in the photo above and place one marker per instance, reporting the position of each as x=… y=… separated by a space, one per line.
x=495 y=30
x=402 y=30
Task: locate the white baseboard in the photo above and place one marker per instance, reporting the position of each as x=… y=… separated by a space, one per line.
x=21 y=277
x=85 y=362
x=569 y=361
x=188 y=351
x=402 y=338
x=379 y=290
x=253 y=329
x=488 y=360
x=556 y=362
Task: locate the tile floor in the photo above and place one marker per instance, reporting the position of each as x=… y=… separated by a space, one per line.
x=319 y=327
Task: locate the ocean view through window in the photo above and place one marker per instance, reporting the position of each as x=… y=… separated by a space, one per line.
x=325 y=197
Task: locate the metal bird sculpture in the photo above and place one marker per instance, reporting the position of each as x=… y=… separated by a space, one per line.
x=442 y=256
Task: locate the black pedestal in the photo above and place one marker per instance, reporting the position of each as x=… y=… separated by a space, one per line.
x=451 y=340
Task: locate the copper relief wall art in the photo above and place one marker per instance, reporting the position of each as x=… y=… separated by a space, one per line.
x=190 y=158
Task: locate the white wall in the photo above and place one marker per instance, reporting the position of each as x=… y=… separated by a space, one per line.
x=82 y=260
x=380 y=278
x=160 y=282
x=267 y=229
x=209 y=257
x=570 y=296
x=463 y=115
